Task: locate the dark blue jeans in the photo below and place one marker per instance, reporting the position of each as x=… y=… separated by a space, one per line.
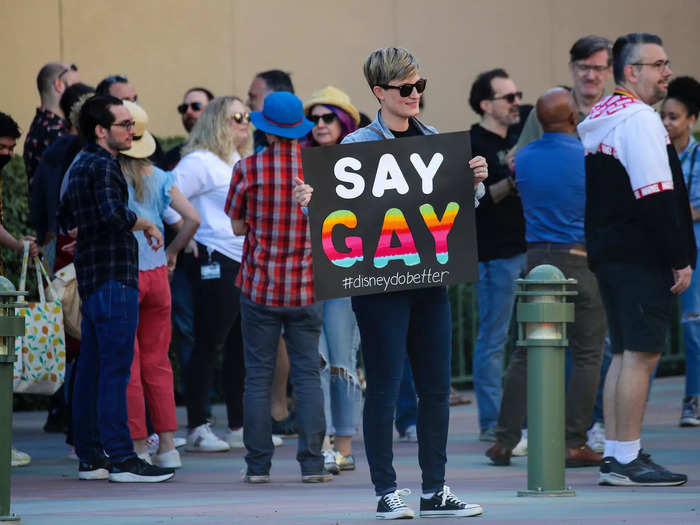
x=261 y=333
x=407 y=405
x=110 y=316
x=417 y=322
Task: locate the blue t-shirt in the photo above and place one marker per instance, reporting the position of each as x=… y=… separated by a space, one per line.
x=551 y=177
x=155 y=201
x=691 y=174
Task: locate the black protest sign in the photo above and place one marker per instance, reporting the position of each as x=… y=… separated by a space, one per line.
x=391 y=215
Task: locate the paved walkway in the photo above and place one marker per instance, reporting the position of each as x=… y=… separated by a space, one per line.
x=208 y=491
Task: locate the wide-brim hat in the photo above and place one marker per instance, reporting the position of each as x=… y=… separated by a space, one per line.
x=282 y=115
x=333 y=96
x=143 y=144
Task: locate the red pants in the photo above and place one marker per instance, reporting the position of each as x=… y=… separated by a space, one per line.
x=151 y=374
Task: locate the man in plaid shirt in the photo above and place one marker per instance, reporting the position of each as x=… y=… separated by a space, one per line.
x=95 y=202
x=276 y=281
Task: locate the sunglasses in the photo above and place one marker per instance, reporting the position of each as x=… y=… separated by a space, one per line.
x=182 y=108
x=405 y=90
x=72 y=67
x=239 y=118
x=510 y=97
x=326 y=118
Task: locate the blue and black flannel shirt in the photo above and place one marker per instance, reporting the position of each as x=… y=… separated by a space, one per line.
x=95 y=201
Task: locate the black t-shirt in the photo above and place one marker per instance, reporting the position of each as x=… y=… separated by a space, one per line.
x=500 y=228
x=412 y=131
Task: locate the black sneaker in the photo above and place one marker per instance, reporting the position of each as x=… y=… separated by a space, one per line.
x=445 y=504
x=136 y=470
x=641 y=472
x=94 y=470
x=392 y=507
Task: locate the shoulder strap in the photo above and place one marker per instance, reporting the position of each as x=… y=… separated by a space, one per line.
x=23 y=275
x=692 y=165
x=377 y=132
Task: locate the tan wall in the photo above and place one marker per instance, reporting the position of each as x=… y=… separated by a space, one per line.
x=167 y=46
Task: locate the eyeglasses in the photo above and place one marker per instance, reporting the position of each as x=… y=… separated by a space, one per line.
x=405 y=90
x=587 y=68
x=327 y=118
x=659 y=64
x=510 y=97
x=239 y=117
x=196 y=106
x=72 y=67
x=126 y=124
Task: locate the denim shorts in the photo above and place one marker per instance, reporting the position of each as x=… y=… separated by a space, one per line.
x=639 y=305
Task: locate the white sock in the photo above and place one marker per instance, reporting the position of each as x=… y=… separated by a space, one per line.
x=627 y=451
x=428 y=495
x=610 y=445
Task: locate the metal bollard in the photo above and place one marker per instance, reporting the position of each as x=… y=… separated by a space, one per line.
x=11 y=326
x=542 y=314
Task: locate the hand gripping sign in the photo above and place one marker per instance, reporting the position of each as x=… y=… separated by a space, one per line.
x=391 y=215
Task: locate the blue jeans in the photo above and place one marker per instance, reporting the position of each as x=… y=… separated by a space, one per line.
x=690 y=320
x=183 y=313
x=495 y=292
x=261 y=333
x=338 y=345
x=110 y=316
x=392 y=324
x=407 y=405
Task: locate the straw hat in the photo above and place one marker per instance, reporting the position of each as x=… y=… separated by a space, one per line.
x=143 y=144
x=335 y=97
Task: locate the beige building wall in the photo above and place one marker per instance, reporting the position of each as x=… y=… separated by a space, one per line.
x=166 y=46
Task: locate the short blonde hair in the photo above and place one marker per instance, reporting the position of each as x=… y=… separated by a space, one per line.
x=387 y=64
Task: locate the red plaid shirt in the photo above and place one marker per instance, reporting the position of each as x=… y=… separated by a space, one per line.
x=276 y=267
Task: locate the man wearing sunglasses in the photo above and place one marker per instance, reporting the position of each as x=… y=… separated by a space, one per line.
x=193 y=103
x=500 y=234
x=49 y=121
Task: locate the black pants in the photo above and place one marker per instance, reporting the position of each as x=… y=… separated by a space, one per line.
x=217 y=329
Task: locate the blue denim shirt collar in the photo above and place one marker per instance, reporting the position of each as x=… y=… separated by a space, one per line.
x=378 y=130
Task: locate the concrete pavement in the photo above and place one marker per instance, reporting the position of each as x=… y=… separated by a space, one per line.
x=208 y=490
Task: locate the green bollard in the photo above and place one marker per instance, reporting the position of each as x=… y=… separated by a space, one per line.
x=542 y=314
x=11 y=326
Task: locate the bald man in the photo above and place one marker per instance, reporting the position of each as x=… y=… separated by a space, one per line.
x=550 y=177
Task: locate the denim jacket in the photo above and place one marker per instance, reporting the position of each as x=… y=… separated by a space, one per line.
x=377 y=130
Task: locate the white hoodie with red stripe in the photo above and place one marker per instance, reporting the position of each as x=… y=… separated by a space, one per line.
x=636 y=203
x=639 y=143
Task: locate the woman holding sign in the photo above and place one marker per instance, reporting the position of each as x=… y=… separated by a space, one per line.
x=335 y=117
x=414 y=321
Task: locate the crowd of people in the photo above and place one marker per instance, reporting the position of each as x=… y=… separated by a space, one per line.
x=210 y=242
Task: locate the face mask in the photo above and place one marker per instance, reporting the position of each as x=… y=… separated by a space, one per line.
x=4 y=159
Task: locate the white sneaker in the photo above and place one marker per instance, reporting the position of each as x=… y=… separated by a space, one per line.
x=329 y=462
x=277 y=440
x=596 y=437
x=152 y=444
x=410 y=436
x=146 y=457
x=170 y=459
x=521 y=448
x=234 y=438
x=179 y=442
x=202 y=439
x=19 y=458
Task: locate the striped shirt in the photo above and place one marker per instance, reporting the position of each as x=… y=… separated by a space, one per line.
x=276 y=268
